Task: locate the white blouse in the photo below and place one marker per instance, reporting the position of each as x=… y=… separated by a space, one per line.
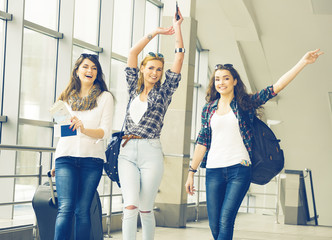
x=82 y=145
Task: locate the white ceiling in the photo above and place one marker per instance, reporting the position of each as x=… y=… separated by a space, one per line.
x=263 y=38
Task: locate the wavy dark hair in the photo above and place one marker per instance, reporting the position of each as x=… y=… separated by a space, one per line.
x=240 y=91
x=75 y=83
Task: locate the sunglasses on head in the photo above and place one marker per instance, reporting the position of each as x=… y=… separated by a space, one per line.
x=85 y=55
x=223 y=66
x=156 y=55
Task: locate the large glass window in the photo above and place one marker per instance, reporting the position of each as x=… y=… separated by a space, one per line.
x=152 y=21
x=2 y=40
x=199 y=182
x=122 y=26
x=28 y=163
x=36 y=97
x=38 y=76
x=86 y=25
x=42 y=12
x=77 y=51
x=3 y=5
x=2 y=45
x=118 y=87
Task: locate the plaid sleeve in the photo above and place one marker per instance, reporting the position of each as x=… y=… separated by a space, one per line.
x=264 y=95
x=132 y=78
x=202 y=135
x=171 y=82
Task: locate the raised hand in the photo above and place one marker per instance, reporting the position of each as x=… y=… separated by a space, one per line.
x=177 y=22
x=311 y=56
x=165 y=31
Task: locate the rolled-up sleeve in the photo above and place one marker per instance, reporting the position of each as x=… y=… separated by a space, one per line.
x=202 y=137
x=132 y=78
x=264 y=95
x=171 y=82
x=107 y=115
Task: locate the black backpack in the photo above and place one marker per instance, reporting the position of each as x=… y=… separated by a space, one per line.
x=267 y=157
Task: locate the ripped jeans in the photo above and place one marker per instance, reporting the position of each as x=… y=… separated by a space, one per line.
x=140 y=171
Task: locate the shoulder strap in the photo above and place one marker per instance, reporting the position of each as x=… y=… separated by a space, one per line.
x=124 y=122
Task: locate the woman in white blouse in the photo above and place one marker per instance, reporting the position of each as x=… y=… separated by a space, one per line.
x=79 y=158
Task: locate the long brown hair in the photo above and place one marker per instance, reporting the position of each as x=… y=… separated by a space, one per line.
x=75 y=83
x=140 y=82
x=240 y=91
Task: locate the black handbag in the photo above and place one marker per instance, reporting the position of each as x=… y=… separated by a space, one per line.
x=112 y=153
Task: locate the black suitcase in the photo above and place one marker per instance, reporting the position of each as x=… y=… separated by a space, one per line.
x=44 y=204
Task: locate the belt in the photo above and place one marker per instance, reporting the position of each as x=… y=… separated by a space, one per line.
x=128 y=137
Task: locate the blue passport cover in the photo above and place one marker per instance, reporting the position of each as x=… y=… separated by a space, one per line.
x=66 y=131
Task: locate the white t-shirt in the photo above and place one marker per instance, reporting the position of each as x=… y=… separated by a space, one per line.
x=137 y=109
x=227 y=147
x=82 y=145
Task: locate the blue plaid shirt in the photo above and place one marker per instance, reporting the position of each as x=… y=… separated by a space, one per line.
x=245 y=120
x=159 y=99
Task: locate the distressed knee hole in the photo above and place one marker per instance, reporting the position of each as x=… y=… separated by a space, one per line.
x=131 y=207
x=145 y=211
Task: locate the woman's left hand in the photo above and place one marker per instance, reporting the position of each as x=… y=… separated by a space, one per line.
x=311 y=57
x=76 y=124
x=177 y=22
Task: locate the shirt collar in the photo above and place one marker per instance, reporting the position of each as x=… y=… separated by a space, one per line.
x=214 y=104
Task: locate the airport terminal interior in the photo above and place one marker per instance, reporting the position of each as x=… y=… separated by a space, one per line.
x=40 y=41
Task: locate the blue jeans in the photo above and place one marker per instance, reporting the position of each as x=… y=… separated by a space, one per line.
x=225 y=190
x=76 y=183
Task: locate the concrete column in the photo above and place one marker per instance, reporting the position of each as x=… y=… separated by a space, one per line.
x=175 y=137
x=11 y=102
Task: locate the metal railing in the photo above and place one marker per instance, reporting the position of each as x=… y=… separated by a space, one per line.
x=3 y=119
x=41 y=150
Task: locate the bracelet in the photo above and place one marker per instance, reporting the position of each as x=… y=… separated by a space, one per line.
x=192 y=170
x=149 y=36
x=177 y=50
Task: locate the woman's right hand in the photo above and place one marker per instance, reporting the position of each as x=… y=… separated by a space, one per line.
x=190 y=189
x=53 y=172
x=165 y=31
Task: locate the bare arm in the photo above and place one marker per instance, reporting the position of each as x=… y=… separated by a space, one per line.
x=178 y=60
x=197 y=159
x=140 y=45
x=308 y=58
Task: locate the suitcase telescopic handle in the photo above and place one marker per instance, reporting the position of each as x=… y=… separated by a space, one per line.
x=51 y=186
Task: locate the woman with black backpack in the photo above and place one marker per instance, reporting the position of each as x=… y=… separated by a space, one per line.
x=224 y=143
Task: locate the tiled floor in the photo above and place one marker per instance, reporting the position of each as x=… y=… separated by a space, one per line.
x=247 y=227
